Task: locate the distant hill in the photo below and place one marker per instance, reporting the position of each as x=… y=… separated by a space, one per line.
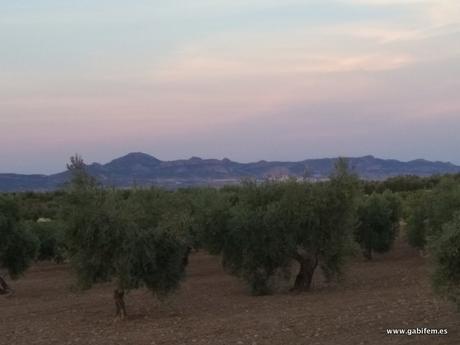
x=144 y=170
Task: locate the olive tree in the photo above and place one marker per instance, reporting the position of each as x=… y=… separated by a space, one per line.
x=253 y=244
x=17 y=245
x=378 y=222
x=260 y=229
x=322 y=221
x=124 y=240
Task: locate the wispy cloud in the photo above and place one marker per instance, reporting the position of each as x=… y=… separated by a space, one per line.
x=206 y=67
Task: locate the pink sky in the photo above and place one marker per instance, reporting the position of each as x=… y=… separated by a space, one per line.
x=247 y=80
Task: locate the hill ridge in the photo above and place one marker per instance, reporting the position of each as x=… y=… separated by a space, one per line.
x=143 y=169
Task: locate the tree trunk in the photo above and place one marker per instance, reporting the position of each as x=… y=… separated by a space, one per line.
x=188 y=250
x=4 y=288
x=308 y=264
x=368 y=254
x=119 y=297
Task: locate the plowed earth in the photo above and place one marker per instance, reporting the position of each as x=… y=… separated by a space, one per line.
x=213 y=307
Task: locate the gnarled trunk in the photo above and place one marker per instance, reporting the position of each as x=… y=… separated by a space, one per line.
x=4 y=288
x=119 y=297
x=308 y=264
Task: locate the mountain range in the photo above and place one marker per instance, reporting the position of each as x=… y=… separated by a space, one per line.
x=141 y=169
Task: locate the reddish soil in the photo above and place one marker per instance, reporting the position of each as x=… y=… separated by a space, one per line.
x=215 y=308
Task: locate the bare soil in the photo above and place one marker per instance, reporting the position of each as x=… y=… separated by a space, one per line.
x=213 y=307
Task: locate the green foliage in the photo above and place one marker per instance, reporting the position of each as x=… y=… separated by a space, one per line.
x=379 y=217
x=435 y=223
x=132 y=239
x=259 y=229
x=17 y=246
x=417 y=219
x=50 y=235
x=443 y=203
x=211 y=211
x=34 y=205
x=446 y=250
x=255 y=245
x=408 y=183
x=431 y=210
x=336 y=219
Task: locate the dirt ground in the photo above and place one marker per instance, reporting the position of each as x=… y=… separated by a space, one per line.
x=215 y=308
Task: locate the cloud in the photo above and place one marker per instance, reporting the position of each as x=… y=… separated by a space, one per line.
x=215 y=67
x=439 y=12
x=444 y=12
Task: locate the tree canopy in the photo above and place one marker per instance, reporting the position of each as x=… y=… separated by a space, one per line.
x=260 y=229
x=378 y=222
x=131 y=241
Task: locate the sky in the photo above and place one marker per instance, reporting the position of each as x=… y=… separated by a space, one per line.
x=243 y=79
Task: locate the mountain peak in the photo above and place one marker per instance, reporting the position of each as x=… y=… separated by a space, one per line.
x=368 y=157
x=138 y=155
x=134 y=158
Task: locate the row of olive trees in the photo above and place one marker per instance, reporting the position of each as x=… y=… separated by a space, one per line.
x=143 y=237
